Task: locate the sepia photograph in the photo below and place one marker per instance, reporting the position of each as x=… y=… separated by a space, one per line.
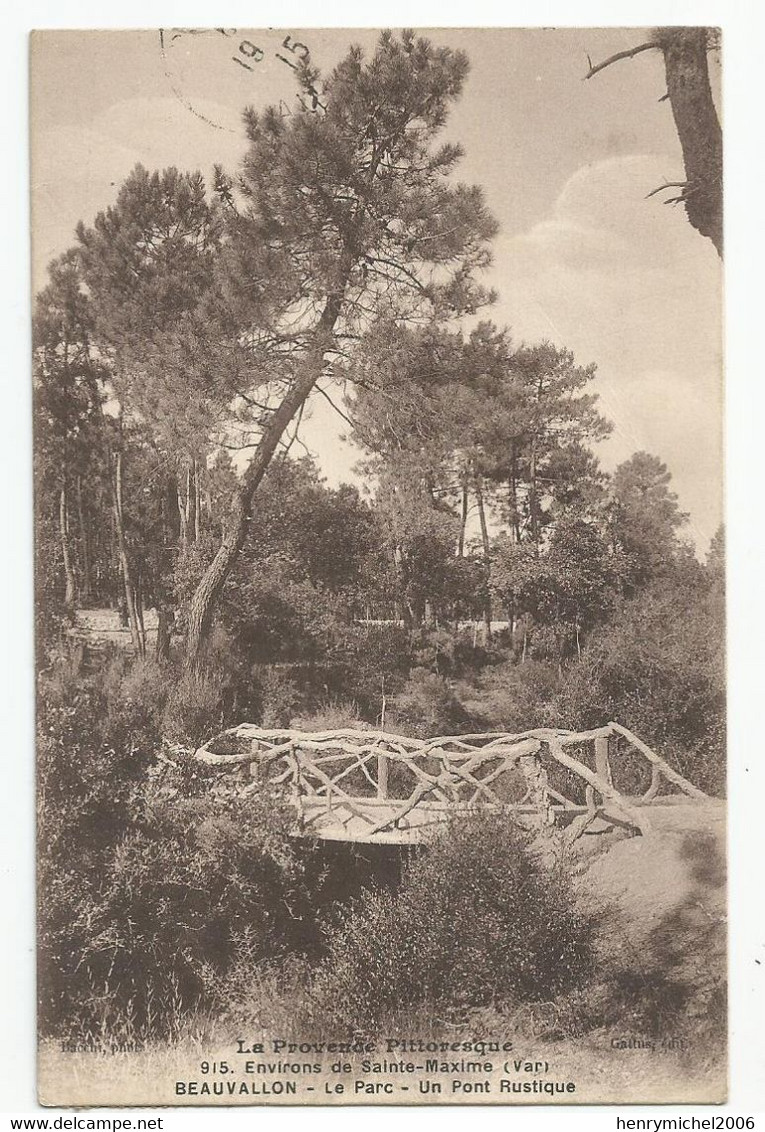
x=379 y=559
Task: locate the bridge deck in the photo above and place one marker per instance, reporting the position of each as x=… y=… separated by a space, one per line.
x=340 y=824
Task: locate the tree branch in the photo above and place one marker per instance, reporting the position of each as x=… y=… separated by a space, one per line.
x=396 y=267
x=291 y=440
x=651 y=45
x=338 y=410
x=258 y=404
x=666 y=185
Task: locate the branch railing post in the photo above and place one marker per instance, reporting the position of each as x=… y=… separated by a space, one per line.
x=602 y=761
x=254 y=767
x=382 y=775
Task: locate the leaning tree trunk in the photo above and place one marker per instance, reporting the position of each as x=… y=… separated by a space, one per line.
x=202 y=604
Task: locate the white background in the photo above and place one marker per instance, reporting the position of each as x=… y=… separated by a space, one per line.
x=744 y=61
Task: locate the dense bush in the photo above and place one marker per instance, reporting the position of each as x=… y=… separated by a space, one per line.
x=278 y=694
x=476 y=920
x=194 y=707
x=510 y=696
x=146 y=890
x=331 y=714
x=426 y=706
x=659 y=670
x=373 y=663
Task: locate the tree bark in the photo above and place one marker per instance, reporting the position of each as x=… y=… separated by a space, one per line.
x=513 y=491
x=401 y=608
x=70 y=594
x=183 y=529
x=87 y=582
x=138 y=598
x=197 y=502
x=534 y=514
x=689 y=93
x=486 y=557
x=698 y=128
x=399 y=604
x=533 y=500
x=163 y=635
x=463 y=517
x=138 y=639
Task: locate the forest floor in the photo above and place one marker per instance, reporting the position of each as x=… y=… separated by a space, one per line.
x=657 y=1035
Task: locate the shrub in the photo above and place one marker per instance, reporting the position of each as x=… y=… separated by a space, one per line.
x=373 y=663
x=137 y=691
x=510 y=696
x=331 y=714
x=279 y=696
x=426 y=706
x=150 y=938
x=144 y=890
x=476 y=920
x=195 y=707
x=660 y=671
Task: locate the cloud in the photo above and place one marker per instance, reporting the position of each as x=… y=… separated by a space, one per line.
x=625 y=282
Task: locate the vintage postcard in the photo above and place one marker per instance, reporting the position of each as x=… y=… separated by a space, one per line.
x=380 y=566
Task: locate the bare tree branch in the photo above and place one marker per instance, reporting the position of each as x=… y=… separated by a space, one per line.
x=666 y=185
x=291 y=439
x=594 y=68
x=337 y=409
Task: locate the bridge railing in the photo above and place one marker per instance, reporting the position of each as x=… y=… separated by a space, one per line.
x=373 y=783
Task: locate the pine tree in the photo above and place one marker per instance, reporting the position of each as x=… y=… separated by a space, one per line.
x=644 y=519
x=347 y=210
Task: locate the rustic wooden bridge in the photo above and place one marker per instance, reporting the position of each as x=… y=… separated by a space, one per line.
x=374 y=787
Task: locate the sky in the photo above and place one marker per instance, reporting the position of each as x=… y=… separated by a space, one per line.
x=582 y=259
